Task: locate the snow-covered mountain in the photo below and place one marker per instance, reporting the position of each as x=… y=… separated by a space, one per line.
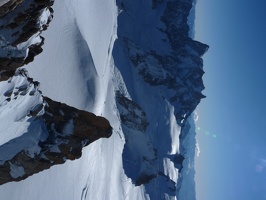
x=130 y=62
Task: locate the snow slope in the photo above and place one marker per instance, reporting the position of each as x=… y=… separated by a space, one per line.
x=18 y=130
x=81 y=65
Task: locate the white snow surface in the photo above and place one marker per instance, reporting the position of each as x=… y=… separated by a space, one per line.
x=77 y=68
x=18 y=130
x=16 y=171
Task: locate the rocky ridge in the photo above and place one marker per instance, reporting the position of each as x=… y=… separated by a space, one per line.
x=57 y=132
x=21 y=23
x=63 y=131
x=179 y=68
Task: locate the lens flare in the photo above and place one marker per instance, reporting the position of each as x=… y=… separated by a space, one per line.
x=207 y=133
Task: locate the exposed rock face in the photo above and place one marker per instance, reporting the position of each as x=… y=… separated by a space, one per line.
x=131 y=114
x=134 y=124
x=21 y=23
x=9 y=6
x=66 y=130
x=85 y=125
x=179 y=67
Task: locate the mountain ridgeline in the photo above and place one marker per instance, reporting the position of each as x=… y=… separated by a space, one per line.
x=157 y=42
x=161 y=65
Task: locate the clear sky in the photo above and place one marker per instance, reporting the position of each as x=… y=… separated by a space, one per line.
x=232 y=119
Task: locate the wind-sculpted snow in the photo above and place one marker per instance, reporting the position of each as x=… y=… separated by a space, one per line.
x=133 y=63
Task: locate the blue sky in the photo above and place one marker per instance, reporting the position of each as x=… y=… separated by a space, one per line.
x=232 y=119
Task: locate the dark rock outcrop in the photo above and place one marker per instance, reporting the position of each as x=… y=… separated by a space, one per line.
x=21 y=26
x=131 y=114
x=134 y=125
x=9 y=6
x=67 y=131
